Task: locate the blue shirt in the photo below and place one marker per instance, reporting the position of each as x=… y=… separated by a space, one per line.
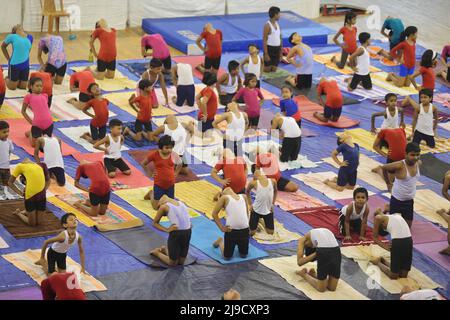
x=351 y=155
x=289 y=106
x=21 y=48
x=396 y=26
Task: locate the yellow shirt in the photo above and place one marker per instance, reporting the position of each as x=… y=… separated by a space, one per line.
x=35 y=178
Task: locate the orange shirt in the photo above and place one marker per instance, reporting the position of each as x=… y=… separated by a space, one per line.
x=211 y=106
x=101 y=111
x=234 y=169
x=335 y=100
x=83 y=79
x=2 y=82
x=164 y=169
x=349 y=38
x=213 y=44
x=47 y=81
x=145 y=107
x=108 y=50
x=269 y=165
x=396 y=140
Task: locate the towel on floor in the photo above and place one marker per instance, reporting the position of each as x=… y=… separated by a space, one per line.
x=115 y=218
x=287 y=267
x=432 y=251
x=326 y=60
x=426 y=203
x=301 y=162
x=289 y=201
x=379 y=79
x=3 y=244
x=69 y=188
x=280 y=235
x=426 y=232
x=375 y=93
x=120 y=82
x=362 y=254
x=207 y=154
x=25 y=261
x=9 y=112
x=442 y=144
x=442 y=98
x=433 y=167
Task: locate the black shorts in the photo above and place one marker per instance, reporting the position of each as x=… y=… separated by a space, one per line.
x=5 y=174
x=140 y=126
x=49 y=101
x=185 y=94
x=112 y=164
x=254 y=220
x=346 y=177
x=240 y=238
x=84 y=97
x=290 y=148
x=274 y=55
x=205 y=126
x=253 y=121
x=282 y=183
x=405 y=208
x=38 y=202
x=332 y=112
x=355 y=225
x=357 y=79
x=304 y=81
x=98 y=133
x=96 y=199
x=18 y=73
x=38 y=132
x=167 y=62
x=225 y=99
x=102 y=66
x=448 y=74
x=212 y=63
x=178 y=244
x=258 y=84
x=235 y=146
x=61 y=71
x=56 y=259
x=419 y=136
x=401 y=255
x=389 y=160
x=158 y=192
x=328 y=263
x=344 y=57
x=59 y=174
x=2 y=98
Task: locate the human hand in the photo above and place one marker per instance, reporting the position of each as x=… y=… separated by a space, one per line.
x=224 y=182
x=344 y=163
x=348 y=238
x=266 y=58
x=373 y=130
x=226 y=229
x=173 y=227
x=204 y=117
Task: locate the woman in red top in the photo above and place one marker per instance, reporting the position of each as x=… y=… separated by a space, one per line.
x=332 y=107
x=212 y=49
x=47 y=84
x=100 y=116
x=349 y=32
x=106 y=58
x=427 y=65
x=207 y=102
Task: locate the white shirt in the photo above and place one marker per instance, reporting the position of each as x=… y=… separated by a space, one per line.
x=355 y=215
x=274 y=39
x=363 y=63
x=254 y=68
x=323 y=238
x=425 y=121
x=390 y=122
x=52 y=153
x=264 y=198
x=235 y=130
x=405 y=189
x=397 y=227
x=6 y=148
x=114 y=148
x=63 y=247
x=184 y=72
x=290 y=128
x=179 y=216
x=236 y=210
x=179 y=136
x=425 y=294
x=231 y=86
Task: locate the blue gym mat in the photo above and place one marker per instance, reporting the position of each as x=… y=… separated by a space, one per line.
x=239 y=30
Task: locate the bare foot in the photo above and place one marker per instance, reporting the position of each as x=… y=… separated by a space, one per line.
x=376 y=261
x=333 y=59
x=16 y=212
x=86 y=136
x=72 y=100
x=302 y=273
x=347 y=80
x=217 y=243
x=312 y=273
x=441 y=212
x=154 y=251
x=174 y=99
x=446 y=251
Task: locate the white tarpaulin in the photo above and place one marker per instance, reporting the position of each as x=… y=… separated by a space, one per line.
x=249 y=6
x=10 y=15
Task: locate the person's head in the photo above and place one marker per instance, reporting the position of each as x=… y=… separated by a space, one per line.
x=209 y=79
x=101 y=24
x=145 y=85
x=253 y=49
x=18 y=28
x=233 y=67
x=411 y=33
x=426 y=96
x=344 y=137
x=166 y=144
x=156 y=65
x=170 y=119
x=36 y=85
x=94 y=89
x=428 y=59
x=382 y=228
x=4 y=130
x=115 y=126
x=360 y=196
x=274 y=13
x=228 y=154
x=233 y=106
x=250 y=80
x=350 y=18
x=364 y=38
x=295 y=38
x=286 y=92
x=208 y=27
x=391 y=100
x=69 y=221
x=231 y=295
x=412 y=153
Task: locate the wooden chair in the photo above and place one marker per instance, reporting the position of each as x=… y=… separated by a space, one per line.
x=48 y=8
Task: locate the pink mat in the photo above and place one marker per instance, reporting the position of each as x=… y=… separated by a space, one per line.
x=375 y=202
x=31 y=293
x=426 y=232
x=137 y=179
x=432 y=251
x=290 y=201
x=195 y=61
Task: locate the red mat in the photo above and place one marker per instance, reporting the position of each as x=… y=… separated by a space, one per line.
x=137 y=179
x=307 y=108
x=17 y=130
x=194 y=61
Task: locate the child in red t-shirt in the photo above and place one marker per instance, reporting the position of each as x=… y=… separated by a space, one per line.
x=427 y=65
x=212 y=49
x=106 y=57
x=100 y=116
x=207 y=103
x=79 y=82
x=349 y=32
x=332 y=107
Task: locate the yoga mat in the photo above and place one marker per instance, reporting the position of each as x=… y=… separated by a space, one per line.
x=445 y=125
x=194 y=61
x=375 y=93
x=136 y=179
x=364 y=138
x=135 y=197
x=120 y=82
x=315 y=181
x=433 y=167
x=442 y=98
x=49 y=224
x=374 y=203
x=18 y=93
x=29 y=293
x=139 y=242
x=287 y=267
x=326 y=60
x=25 y=261
x=265 y=118
x=280 y=235
x=442 y=144
x=115 y=218
x=362 y=255
x=289 y=201
x=280 y=73
x=63 y=88
x=16 y=104
x=3 y=244
x=379 y=79
x=426 y=232
x=8 y=112
x=62 y=110
x=426 y=203
x=432 y=251
x=69 y=188
x=18 y=137
x=205 y=232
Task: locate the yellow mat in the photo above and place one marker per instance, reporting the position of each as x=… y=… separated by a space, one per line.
x=286 y=267
x=379 y=79
x=120 y=82
x=198 y=195
x=442 y=144
x=69 y=188
x=281 y=234
x=135 y=197
x=8 y=112
x=326 y=60
x=362 y=255
x=25 y=261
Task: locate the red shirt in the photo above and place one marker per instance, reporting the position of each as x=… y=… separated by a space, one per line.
x=396 y=139
x=47 y=81
x=62 y=286
x=164 y=169
x=428 y=78
x=211 y=106
x=233 y=169
x=101 y=111
x=108 y=51
x=349 y=38
x=269 y=165
x=409 y=53
x=213 y=43
x=145 y=107
x=99 y=180
x=2 y=82
x=335 y=100
x=83 y=79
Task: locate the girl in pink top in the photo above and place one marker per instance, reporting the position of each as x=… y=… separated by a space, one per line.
x=251 y=94
x=160 y=49
x=42 y=122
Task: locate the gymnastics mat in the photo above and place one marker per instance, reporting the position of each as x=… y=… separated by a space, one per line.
x=289 y=201
x=18 y=137
x=433 y=167
x=442 y=144
x=194 y=61
x=25 y=261
x=426 y=203
x=205 y=232
x=426 y=232
x=280 y=235
x=374 y=203
x=3 y=244
x=287 y=267
x=29 y=293
x=135 y=197
x=182 y=32
x=139 y=242
x=8 y=112
x=325 y=59
x=115 y=218
x=316 y=181
x=121 y=181
x=362 y=254
x=49 y=224
x=375 y=93
x=432 y=251
x=379 y=79
x=120 y=82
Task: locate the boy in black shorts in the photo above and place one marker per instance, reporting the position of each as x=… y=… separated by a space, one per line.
x=360 y=63
x=272 y=43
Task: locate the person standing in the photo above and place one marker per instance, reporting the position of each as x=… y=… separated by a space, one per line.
x=272 y=41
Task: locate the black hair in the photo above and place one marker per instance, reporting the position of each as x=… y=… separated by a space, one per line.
x=338 y=141
x=360 y=190
x=233 y=65
x=34 y=80
x=209 y=78
x=427 y=92
x=248 y=78
x=410 y=31
x=363 y=37
x=252 y=45
x=412 y=147
x=349 y=16
x=89 y=88
x=155 y=63
x=427 y=59
x=253 y=169
x=65 y=217
x=115 y=123
x=389 y=95
x=144 y=84
x=273 y=11
x=4 y=125
x=165 y=140
x=45 y=49
x=291 y=37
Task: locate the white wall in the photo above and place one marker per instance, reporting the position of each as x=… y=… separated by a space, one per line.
x=248 y=6
x=10 y=14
